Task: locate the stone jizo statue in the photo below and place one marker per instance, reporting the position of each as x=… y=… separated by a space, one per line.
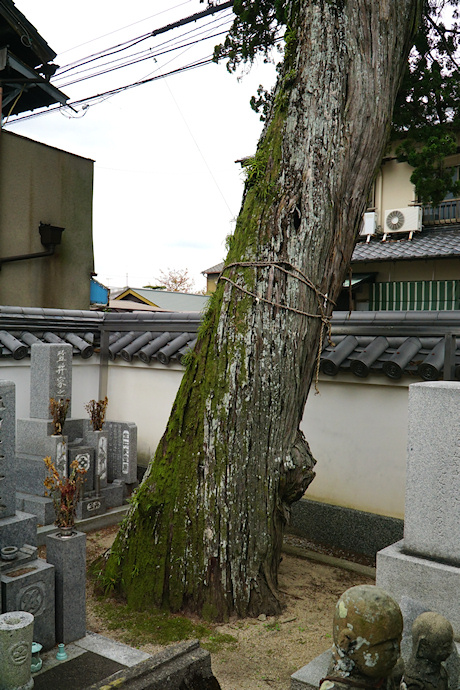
x=432 y=643
x=367 y=632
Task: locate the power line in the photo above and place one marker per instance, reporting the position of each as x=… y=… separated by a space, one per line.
x=110 y=33
x=111 y=92
x=156 y=32
x=106 y=94
x=148 y=54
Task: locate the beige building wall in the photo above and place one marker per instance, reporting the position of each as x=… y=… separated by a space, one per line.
x=39 y=183
x=211 y=283
x=393 y=188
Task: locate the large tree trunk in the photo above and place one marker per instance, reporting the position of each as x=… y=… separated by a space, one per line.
x=205 y=530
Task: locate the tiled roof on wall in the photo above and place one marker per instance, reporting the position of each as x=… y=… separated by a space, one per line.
x=392 y=344
x=430 y=243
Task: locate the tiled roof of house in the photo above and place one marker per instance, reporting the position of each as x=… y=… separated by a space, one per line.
x=430 y=243
x=214 y=269
x=392 y=344
x=165 y=299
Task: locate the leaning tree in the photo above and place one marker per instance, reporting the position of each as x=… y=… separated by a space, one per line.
x=204 y=531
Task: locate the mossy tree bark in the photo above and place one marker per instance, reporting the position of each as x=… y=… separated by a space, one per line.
x=204 y=532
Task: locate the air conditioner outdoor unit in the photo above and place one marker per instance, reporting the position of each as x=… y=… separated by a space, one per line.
x=369 y=225
x=403 y=220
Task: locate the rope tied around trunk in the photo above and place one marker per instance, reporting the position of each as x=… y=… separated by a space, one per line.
x=297 y=274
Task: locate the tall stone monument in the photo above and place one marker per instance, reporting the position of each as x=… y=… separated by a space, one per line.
x=425 y=565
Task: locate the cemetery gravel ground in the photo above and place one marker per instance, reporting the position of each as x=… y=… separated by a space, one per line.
x=264 y=653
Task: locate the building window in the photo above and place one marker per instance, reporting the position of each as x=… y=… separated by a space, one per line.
x=417 y=295
x=448 y=210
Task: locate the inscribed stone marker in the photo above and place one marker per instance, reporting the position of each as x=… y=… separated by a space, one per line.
x=50 y=376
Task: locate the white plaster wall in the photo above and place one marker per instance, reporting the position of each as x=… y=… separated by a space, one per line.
x=85 y=384
x=19 y=373
x=143 y=394
x=357 y=431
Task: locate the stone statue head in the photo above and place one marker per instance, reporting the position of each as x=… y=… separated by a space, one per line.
x=432 y=637
x=367 y=630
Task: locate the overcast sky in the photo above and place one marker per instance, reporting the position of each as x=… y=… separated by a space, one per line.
x=166 y=189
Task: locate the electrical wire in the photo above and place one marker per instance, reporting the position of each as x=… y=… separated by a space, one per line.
x=129 y=43
x=136 y=58
x=111 y=92
x=198 y=31
x=110 y=33
x=174 y=44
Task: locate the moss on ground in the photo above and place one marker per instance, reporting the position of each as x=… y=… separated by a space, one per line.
x=158 y=627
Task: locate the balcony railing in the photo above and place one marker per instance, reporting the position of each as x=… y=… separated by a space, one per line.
x=447 y=212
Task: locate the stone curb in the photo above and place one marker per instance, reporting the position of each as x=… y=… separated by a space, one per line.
x=329 y=560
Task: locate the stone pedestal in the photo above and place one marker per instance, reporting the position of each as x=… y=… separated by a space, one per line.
x=68 y=555
x=309 y=676
x=434 y=584
x=30 y=587
x=16 y=637
x=90 y=506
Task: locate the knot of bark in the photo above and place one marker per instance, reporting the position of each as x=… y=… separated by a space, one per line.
x=297 y=472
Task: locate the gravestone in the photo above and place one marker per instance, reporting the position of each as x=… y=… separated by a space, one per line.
x=50 y=377
x=26 y=582
x=425 y=564
x=123 y=451
x=422 y=571
x=16 y=528
x=30 y=587
x=105 y=487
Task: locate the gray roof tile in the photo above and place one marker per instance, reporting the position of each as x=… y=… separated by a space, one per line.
x=431 y=243
x=411 y=340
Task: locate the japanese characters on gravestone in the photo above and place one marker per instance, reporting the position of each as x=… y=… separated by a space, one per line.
x=50 y=377
x=122 y=451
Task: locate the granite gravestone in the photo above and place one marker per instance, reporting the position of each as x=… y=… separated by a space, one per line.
x=50 y=377
x=425 y=565
x=122 y=451
x=26 y=583
x=16 y=528
x=111 y=465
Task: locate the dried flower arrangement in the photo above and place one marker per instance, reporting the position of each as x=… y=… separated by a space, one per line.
x=65 y=492
x=59 y=409
x=96 y=410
